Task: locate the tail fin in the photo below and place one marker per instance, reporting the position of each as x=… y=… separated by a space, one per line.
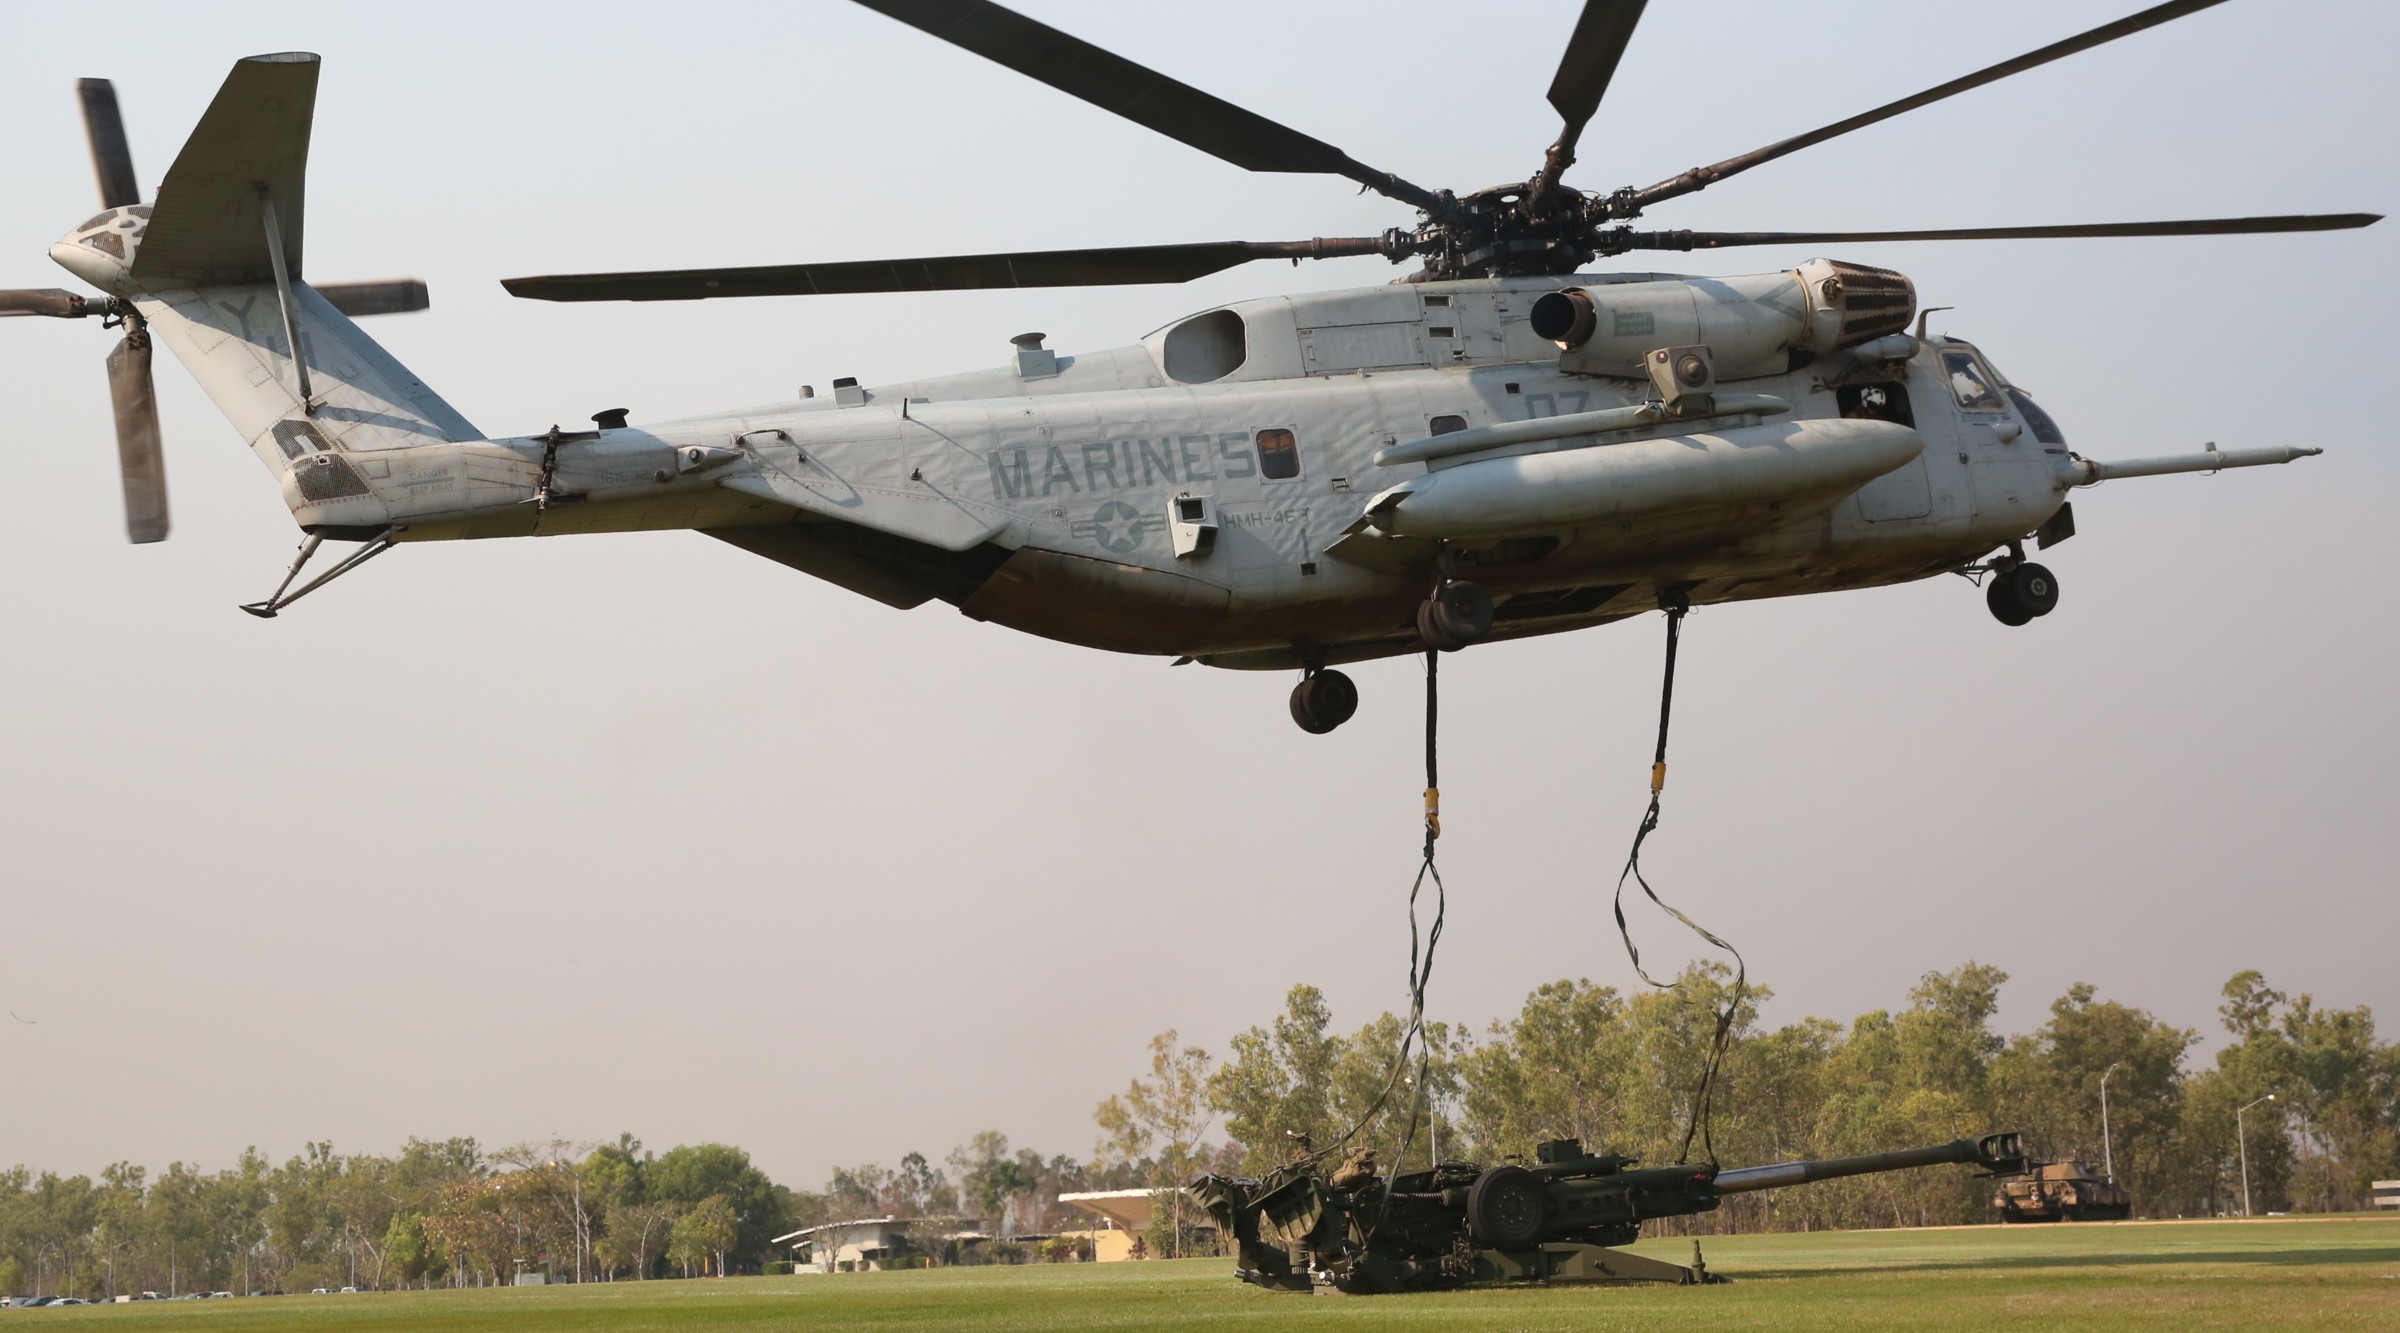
x=201 y=269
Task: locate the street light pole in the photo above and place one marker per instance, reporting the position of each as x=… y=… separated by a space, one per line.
x=2242 y=1141
x=2108 y=1147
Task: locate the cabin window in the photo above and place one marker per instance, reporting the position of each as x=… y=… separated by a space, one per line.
x=1446 y=425
x=1970 y=382
x=1206 y=347
x=2044 y=429
x=1876 y=402
x=1278 y=455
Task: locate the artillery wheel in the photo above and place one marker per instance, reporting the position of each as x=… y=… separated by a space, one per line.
x=2002 y=599
x=1456 y=615
x=1507 y=1208
x=1323 y=701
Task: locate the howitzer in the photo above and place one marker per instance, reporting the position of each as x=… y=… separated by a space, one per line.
x=1558 y=1219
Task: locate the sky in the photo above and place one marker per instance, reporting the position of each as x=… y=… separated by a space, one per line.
x=558 y=838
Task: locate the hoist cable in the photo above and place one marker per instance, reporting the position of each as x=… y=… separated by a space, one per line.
x=1704 y=1098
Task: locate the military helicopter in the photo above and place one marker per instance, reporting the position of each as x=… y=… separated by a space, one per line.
x=1499 y=444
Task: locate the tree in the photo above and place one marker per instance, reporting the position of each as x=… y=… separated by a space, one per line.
x=408 y=1255
x=634 y=1235
x=989 y=1179
x=1278 y=1085
x=705 y=1232
x=1553 y=1072
x=689 y=1176
x=1170 y=1110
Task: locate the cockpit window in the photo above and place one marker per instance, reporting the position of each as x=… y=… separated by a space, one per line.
x=2044 y=429
x=100 y=221
x=1970 y=383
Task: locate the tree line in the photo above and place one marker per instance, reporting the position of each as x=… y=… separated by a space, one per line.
x=1621 y=1073
x=1578 y=1060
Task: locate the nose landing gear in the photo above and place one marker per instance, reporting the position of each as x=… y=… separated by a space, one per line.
x=2020 y=591
x=1323 y=700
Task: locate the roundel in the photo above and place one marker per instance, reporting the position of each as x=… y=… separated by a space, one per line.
x=1117 y=526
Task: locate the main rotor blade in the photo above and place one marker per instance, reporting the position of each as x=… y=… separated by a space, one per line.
x=42 y=301
x=1583 y=76
x=1699 y=178
x=395 y=296
x=1139 y=94
x=139 y=457
x=1033 y=268
x=1719 y=240
x=112 y=161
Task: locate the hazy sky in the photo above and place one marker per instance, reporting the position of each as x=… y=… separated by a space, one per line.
x=526 y=838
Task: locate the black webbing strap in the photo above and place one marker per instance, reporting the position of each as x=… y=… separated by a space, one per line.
x=1421 y=946
x=1704 y=1099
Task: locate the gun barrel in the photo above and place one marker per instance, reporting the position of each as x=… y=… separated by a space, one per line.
x=1998 y=1152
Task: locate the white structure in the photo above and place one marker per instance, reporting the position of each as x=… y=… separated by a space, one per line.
x=2387 y=1193
x=1121 y=1215
x=867 y=1244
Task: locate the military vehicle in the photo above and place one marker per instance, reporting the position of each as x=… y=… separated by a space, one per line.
x=1502 y=443
x=2061 y=1192
x=1558 y=1220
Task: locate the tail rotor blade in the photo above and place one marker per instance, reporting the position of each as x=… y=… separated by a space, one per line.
x=42 y=301
x=138 y=454
x=112 y=161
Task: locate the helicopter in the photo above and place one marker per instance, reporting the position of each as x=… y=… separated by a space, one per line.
x=1502 y=443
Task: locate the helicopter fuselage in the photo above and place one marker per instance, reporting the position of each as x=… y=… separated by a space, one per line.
x=1057 y=495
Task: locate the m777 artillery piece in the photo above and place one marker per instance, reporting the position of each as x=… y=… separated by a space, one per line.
x=1557 y=1220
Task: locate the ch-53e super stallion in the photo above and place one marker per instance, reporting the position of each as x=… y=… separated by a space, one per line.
x=1500 y=444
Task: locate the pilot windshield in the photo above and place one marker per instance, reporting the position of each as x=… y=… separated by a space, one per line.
x=1970 y=382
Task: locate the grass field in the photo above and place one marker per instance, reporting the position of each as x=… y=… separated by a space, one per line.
x=2339 y=1273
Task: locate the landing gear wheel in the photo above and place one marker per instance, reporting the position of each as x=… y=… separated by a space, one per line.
x=1456 y=615
x=1323 y=701
x=2035 y=588
x=2003 y=602
x=1507 y=1208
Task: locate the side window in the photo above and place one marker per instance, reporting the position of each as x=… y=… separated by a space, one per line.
x=1970 y=383
x=1278 y=455
x=1446 y=425
x=1876 y=402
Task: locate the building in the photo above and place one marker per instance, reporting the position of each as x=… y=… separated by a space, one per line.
x=872 y=1243
x=2387 y=1193
x=1121 y=1216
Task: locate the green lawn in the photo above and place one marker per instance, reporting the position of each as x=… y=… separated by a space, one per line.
x=2333 y=1274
